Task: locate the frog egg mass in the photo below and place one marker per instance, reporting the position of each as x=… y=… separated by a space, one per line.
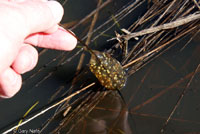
x=107 y=70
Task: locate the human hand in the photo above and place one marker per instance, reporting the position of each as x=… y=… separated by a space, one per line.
x=25 y=23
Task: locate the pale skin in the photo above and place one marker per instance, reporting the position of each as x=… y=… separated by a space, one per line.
x=25 y=24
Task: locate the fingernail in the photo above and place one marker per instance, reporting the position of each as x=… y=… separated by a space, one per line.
x=56 y=9
x=72 y=41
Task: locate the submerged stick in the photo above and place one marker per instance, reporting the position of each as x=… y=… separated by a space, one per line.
x=180 y=98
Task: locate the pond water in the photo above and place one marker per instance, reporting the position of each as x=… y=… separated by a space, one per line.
x=150 y=93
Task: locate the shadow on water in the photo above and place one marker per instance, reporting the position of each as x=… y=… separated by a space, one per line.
x=150 y=93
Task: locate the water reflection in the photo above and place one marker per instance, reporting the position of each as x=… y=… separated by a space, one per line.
x=110 y=116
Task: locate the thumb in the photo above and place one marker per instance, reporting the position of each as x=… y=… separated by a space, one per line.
x=41 y=16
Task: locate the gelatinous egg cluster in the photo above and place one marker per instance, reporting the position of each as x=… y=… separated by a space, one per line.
x=107 y=70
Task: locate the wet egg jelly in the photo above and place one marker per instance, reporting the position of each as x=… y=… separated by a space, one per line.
x=107 y=70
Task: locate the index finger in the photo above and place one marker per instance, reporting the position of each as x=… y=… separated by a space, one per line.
x=60 y=40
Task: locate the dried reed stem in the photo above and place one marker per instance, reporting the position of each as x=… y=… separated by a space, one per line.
x=50 y=107
x=196 y=3
x=170 y=25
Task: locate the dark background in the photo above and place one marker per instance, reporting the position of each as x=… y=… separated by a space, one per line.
x=161 y=75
